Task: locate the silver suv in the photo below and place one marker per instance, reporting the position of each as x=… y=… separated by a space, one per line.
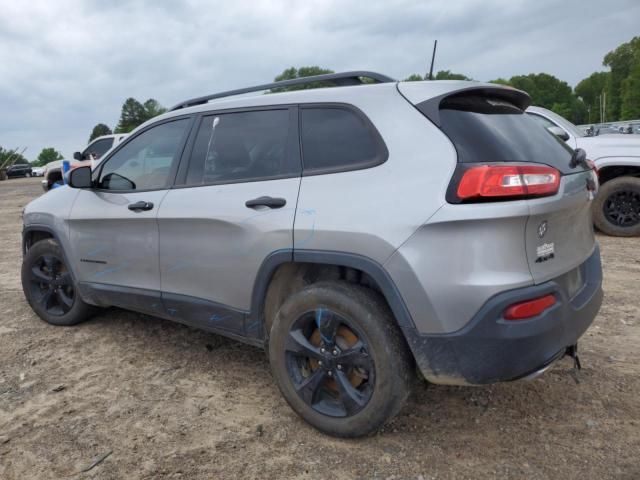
x=355 y=233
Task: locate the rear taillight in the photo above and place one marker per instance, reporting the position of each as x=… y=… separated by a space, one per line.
x=502 y=182
x=530 y=308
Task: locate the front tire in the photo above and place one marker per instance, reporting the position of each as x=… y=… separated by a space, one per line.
x=49 y=287
x=27 y=175
x=616 y=209
x=339 y=359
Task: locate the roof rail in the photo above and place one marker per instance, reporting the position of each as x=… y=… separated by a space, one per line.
x=338 y=79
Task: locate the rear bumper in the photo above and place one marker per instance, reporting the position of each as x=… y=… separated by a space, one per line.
x=490 y=349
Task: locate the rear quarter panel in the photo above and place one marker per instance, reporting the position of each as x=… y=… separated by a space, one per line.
x=371 y=212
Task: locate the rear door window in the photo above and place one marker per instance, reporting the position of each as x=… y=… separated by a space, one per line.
x=242 y=147
x=488 y=130
x=337 y=138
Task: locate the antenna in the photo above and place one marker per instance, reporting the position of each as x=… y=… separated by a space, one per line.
x=433 y=59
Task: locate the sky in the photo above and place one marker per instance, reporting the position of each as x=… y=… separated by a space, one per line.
x=67 y=65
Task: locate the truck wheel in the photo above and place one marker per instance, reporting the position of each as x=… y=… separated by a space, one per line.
x=27 y=175
x=339 y=359
x=49 y=287
x=616 y=209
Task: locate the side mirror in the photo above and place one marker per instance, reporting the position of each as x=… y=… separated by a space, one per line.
x=579 y=157
x=559 y=132
x=79 y=177
x=78 y=156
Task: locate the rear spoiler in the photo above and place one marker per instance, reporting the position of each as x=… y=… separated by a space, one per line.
x=431 y=107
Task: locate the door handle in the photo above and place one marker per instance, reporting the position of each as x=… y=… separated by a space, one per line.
x=270 y=202
x=140 y=206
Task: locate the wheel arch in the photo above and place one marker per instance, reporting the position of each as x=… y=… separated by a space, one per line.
x=610 y=168
x=36 y=233
x=285 y=271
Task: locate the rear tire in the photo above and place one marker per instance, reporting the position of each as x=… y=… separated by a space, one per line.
x=49 y=287
x=339 y=359
x=27 y=175
x=616 y=209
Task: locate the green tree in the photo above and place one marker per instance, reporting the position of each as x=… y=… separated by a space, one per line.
x=292 y=73
x=152 y=108
x=9 y=157
x=501 y=81
x=550 y=92
x=545 y=90
x=590 y=90
x=99 y=130
x=132 y=115
x=630 y=93
x=47 y=155
x=414 y=77
x=448 y=75
x=630 y=90
x=622 y=61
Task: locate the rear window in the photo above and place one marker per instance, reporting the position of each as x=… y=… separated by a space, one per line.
x=487 y=130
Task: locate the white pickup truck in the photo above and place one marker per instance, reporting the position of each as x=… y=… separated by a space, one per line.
x=96 y=150
x=616 y=209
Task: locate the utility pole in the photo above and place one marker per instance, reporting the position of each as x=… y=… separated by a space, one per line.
x=433 y=58
x=600 y=107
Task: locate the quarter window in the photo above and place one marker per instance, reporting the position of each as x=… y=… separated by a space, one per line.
x=336 y=138
x=242 y=146
x=145 y=162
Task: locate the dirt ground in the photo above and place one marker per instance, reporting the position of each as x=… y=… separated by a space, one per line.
x=166 y=401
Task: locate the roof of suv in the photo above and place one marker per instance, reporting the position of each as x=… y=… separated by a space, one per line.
x=415 y=92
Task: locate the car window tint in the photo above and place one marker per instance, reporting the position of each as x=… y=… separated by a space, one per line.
x=145 y=162
x=486 y=129
x=546 y=123
x=337 y=138
x=98 y=148
x=243 y=146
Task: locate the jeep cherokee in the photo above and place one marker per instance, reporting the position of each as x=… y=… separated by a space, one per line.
x=355 y=232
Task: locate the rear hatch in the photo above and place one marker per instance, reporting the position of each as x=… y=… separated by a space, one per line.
x=488 y=127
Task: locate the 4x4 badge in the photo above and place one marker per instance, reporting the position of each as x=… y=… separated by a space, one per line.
x=542 y=229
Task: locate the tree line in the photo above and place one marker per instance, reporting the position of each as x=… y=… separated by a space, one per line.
x=614 y=94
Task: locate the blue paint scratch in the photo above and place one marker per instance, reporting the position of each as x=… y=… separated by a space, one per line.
x=215 y=318
x=319 y=313
x=96 y=251
x=113 y=269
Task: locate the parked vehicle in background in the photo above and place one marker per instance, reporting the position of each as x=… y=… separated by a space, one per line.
x=19 y=170
x=616 y=211
x=52 y=175
x=353 y=232
x=91 y=156
x=37 y=171
x=98 y=147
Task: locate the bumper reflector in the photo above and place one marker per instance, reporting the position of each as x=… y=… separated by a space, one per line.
x=529 y=308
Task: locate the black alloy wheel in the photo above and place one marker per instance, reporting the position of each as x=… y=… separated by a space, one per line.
x=51 y=285
x=329 y=364
x=622 y=208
